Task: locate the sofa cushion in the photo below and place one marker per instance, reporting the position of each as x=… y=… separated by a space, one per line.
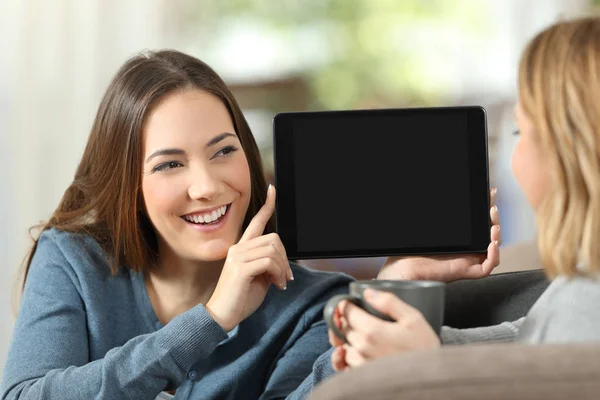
x=491 y=372
x=494 y=299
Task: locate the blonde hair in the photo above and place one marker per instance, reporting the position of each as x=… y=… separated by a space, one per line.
x=559 y=90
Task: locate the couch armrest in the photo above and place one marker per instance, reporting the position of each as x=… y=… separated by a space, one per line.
x=480 y=372
x=494 y=299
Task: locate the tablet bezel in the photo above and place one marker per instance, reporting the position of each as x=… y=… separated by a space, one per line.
x=283 y=141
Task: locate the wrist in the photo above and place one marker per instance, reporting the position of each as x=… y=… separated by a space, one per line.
x=226 y=325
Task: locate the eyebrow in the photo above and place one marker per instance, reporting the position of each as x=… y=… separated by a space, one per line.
x=219 y=138
x=179 y=152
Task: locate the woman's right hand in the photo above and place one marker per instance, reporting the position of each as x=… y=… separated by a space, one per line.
x=369 y=337
x=251 y=266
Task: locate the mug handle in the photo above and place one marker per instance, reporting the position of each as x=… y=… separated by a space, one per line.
x=330 y=309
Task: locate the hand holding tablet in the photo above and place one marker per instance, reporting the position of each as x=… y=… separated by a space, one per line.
x=382 y=182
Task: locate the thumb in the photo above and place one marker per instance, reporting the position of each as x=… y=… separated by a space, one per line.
x=256 y=227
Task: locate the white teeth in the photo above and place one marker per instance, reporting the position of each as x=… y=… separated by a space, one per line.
x=208 y=217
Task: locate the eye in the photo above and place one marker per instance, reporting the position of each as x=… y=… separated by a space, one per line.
x=516 y=133
x=225 y=151
x=166 y=166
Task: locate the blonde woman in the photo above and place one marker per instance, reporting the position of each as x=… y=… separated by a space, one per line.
x=557 y=164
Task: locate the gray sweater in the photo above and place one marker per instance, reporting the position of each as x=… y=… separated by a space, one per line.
x=568 y=311
x=84 y=334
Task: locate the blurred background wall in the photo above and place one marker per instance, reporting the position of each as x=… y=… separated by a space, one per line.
x=278 y=55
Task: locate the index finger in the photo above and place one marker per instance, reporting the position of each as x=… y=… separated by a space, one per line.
x=389 y=304
x=358 y=319
x=256 y=227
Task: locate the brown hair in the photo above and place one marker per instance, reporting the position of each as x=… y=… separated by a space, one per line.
x=104 y=200
x=559 y=88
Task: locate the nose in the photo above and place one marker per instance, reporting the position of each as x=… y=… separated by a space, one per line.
x=205 y=185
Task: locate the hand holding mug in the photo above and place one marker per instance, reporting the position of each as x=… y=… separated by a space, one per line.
x=376 y=323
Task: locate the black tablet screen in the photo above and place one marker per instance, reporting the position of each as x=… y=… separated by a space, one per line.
x=385 y=182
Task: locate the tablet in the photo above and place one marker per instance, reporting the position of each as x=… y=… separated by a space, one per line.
x=382 y=182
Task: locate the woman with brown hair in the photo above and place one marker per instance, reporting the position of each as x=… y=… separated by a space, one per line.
x=556 y=162
x=154 y=273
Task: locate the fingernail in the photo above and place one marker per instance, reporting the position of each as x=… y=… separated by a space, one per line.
x=496 y=243
x=497 y=228
x=291 y=276
x=269 y=188
x=496 y=207
x=371 y=293
x=495 y=190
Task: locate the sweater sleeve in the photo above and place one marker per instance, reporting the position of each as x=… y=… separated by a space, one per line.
x=49 y=357
x=504 y=332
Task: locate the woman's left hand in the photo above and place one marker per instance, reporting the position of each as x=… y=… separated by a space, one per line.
x=369 y=337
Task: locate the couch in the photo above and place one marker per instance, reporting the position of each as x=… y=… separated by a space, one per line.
x=482 y=372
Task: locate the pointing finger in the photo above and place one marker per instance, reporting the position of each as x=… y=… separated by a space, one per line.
x=256 y=227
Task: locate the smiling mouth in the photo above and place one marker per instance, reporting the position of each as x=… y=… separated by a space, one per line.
x=210 y=218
